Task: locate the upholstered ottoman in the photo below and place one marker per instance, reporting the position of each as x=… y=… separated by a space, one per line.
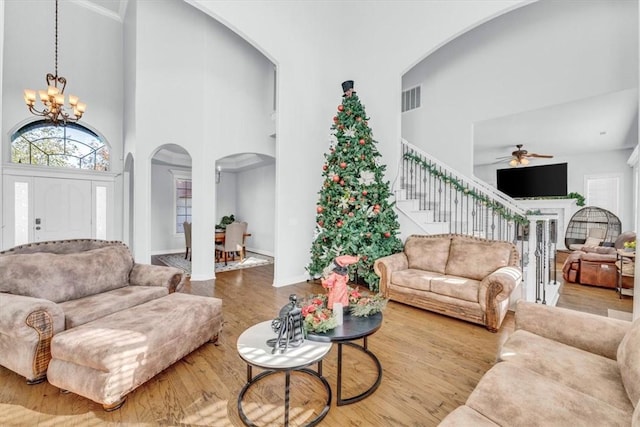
x=107 y=358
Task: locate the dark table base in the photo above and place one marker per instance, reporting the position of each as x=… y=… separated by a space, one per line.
x=252 y=380
x=349 y=400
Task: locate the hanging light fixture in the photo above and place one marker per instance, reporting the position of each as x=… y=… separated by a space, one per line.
x=53 y=98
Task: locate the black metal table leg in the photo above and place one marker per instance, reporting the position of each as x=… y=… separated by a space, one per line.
x=364 y=348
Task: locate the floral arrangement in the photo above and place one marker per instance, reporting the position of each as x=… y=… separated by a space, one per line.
x=317 y=317
x=630 y=245
x=365 y=305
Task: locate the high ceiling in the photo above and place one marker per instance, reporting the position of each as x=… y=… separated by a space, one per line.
x=594 y=124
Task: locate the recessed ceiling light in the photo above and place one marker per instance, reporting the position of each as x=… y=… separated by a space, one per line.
x=603 y=132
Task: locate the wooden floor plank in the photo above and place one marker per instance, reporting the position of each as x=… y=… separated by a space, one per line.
x=431 y=363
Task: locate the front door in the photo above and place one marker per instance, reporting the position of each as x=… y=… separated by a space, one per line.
x=61 y=209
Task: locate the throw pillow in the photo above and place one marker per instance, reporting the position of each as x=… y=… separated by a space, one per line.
x=592 y=241
x=476 y=258
x=428 y=253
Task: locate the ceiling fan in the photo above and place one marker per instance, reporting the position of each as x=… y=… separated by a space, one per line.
x=521 y=157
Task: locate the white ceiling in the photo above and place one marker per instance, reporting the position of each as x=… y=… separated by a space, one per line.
x=594 y=124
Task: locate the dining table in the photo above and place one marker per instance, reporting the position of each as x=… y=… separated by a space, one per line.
x=219 y=236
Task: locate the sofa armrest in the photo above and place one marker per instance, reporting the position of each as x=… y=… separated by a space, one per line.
x=384 y=266
x=595 y=334
x=494 y=289
x=27 y=325
x=157 y=275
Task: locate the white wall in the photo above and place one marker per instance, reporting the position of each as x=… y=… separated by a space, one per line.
x=579 y=165
x=95 y=78
x=256 y=205
x=315 y=50
x=226 y=196
x=543 y=54
x=28 y=55
x=2 y=224
x=215 y=83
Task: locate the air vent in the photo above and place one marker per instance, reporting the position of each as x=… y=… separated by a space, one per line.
x=411 y=99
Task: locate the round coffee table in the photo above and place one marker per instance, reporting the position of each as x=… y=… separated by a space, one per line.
x=352 y=328
x=253 y=349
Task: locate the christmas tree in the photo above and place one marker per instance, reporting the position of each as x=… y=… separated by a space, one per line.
x=353 y=214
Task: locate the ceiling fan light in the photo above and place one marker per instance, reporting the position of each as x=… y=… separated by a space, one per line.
x=513 y=163
x=524 y=161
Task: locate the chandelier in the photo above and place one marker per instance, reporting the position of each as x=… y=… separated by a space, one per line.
x=53 y=98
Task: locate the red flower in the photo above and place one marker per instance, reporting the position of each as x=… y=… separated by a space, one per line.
x=308 y=309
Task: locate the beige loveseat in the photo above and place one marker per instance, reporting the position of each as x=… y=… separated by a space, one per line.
x=461 y=276
x=559 y=368
x=49 y=287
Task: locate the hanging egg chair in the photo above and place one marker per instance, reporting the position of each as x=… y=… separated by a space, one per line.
x=592 y=226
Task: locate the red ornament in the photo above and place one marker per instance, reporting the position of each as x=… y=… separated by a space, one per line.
x=335 y=119
x=387 y=234
x=362 y=142
x=319 y=209
x=351 y=214
x=343 y=165
x=340 y=107
x=321 y=223
x=376 y=207
x=336 y=178
x=358 y=119
x=352 y=199
x=364 y=192
x=325 y=167
x=339 y=224
x=342 y=182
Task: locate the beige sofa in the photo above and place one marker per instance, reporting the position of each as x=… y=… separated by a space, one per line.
x=460 y=276
x=559 y=368
x=49 y=287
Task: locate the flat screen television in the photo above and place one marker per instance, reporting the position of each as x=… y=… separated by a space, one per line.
x=534 y=181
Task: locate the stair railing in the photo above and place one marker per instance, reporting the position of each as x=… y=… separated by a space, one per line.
x=468 y=206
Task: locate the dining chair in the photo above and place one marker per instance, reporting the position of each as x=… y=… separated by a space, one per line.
x=244 y=232
x=187 y=239
x=232 y=241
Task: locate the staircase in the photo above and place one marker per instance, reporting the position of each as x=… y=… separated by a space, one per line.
x=437 y=200
x=441 y=200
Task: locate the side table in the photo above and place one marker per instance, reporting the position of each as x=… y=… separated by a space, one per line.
x=625 y=266
x=352 y=328
x=253 y=349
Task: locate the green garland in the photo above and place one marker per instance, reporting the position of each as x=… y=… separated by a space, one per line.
x=459 y=186
x=580 y=200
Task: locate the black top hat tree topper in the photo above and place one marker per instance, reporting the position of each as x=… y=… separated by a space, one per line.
x=347 y=88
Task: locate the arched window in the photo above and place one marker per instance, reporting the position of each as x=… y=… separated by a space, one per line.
x=72 y=146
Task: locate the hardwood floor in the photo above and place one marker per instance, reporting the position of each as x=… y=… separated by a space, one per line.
x=431 y=364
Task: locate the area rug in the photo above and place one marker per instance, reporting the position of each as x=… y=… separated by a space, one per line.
x=620 y=315
x=251 y=260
